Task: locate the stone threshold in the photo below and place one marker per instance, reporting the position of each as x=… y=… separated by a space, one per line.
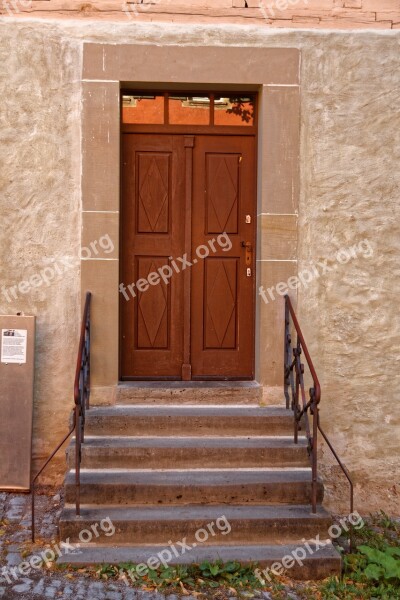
x=165 y=385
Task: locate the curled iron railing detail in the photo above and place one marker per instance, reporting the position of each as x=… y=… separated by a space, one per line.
x=305 y=407
x=81 y=398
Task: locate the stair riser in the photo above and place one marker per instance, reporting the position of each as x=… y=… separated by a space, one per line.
x=188 y=426
x=242 y=531
x=313 y=567
x=203 y=396
x=133 y=495
x=180 y=458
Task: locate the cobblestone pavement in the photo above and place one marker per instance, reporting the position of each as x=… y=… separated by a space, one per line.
x=16 y=547
x=82 y=589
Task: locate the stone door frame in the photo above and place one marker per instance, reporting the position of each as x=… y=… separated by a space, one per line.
x=275 y=74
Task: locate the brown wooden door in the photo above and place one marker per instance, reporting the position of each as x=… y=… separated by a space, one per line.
x=222 y=330
x=152 y=231
x=180 y=194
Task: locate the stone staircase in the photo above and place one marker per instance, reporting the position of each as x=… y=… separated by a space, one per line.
x=165 y=463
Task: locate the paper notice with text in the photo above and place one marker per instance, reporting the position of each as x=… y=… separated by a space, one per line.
x=13 y=345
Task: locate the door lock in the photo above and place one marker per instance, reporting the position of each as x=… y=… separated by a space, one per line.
x=249 y=252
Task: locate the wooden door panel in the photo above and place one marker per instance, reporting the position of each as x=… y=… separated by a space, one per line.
x=152 y=314
x=220 y=303
x=153 y=191
x=222 y=185
x=222 y=295
x=152 y=231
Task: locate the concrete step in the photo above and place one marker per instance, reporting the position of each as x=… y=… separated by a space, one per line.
x=191 y=392
x=189 y=420
x=322 y=563
x=110 y=452
x=224 y=524
x=231 y=486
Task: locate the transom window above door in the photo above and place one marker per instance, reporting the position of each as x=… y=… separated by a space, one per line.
x=171 y=108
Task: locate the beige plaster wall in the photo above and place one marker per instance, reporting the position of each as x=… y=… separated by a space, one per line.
x=39 y=210
x=349 y=192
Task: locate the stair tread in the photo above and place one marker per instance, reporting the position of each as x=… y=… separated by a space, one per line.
x=189 y=410
x=196 y=511
x=192 y=477
x=187 y=385
x=192 y=442
x=241 y=552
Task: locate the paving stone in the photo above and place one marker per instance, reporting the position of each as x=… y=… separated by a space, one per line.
x=113 y=596
x=96 y=591
x=23 y=587
x=21 y=537
x=16 y=508
x=39 y=587
x=13 y=559
x=68 y=591
x=13 y=548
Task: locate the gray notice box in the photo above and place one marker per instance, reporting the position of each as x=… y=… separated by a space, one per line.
x=17 y=339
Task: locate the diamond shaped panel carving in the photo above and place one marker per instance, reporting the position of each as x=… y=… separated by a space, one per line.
x=220 y=303
x=222 y=185
x=152 y=307
x=153 y=174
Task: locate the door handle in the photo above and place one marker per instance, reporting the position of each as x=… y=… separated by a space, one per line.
x=249 y=252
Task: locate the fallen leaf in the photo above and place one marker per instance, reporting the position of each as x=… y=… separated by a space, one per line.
x=184 y=590
x=233 y=591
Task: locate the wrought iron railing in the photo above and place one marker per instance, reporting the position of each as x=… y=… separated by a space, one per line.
x=305 y=409
x=81 y=397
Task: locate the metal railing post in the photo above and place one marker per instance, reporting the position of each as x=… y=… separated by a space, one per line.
x=81 y=400
x=295 y=371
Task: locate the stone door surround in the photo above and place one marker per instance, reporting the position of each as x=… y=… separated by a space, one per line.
x=274 y=73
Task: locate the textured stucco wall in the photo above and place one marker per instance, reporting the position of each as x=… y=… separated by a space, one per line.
x=39 y=209
x=349 y=192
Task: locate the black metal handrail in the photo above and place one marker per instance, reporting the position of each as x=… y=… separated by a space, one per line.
x=81 y=396
x=294 y=387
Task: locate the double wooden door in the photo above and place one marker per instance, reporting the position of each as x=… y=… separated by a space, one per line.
x=187 y=256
